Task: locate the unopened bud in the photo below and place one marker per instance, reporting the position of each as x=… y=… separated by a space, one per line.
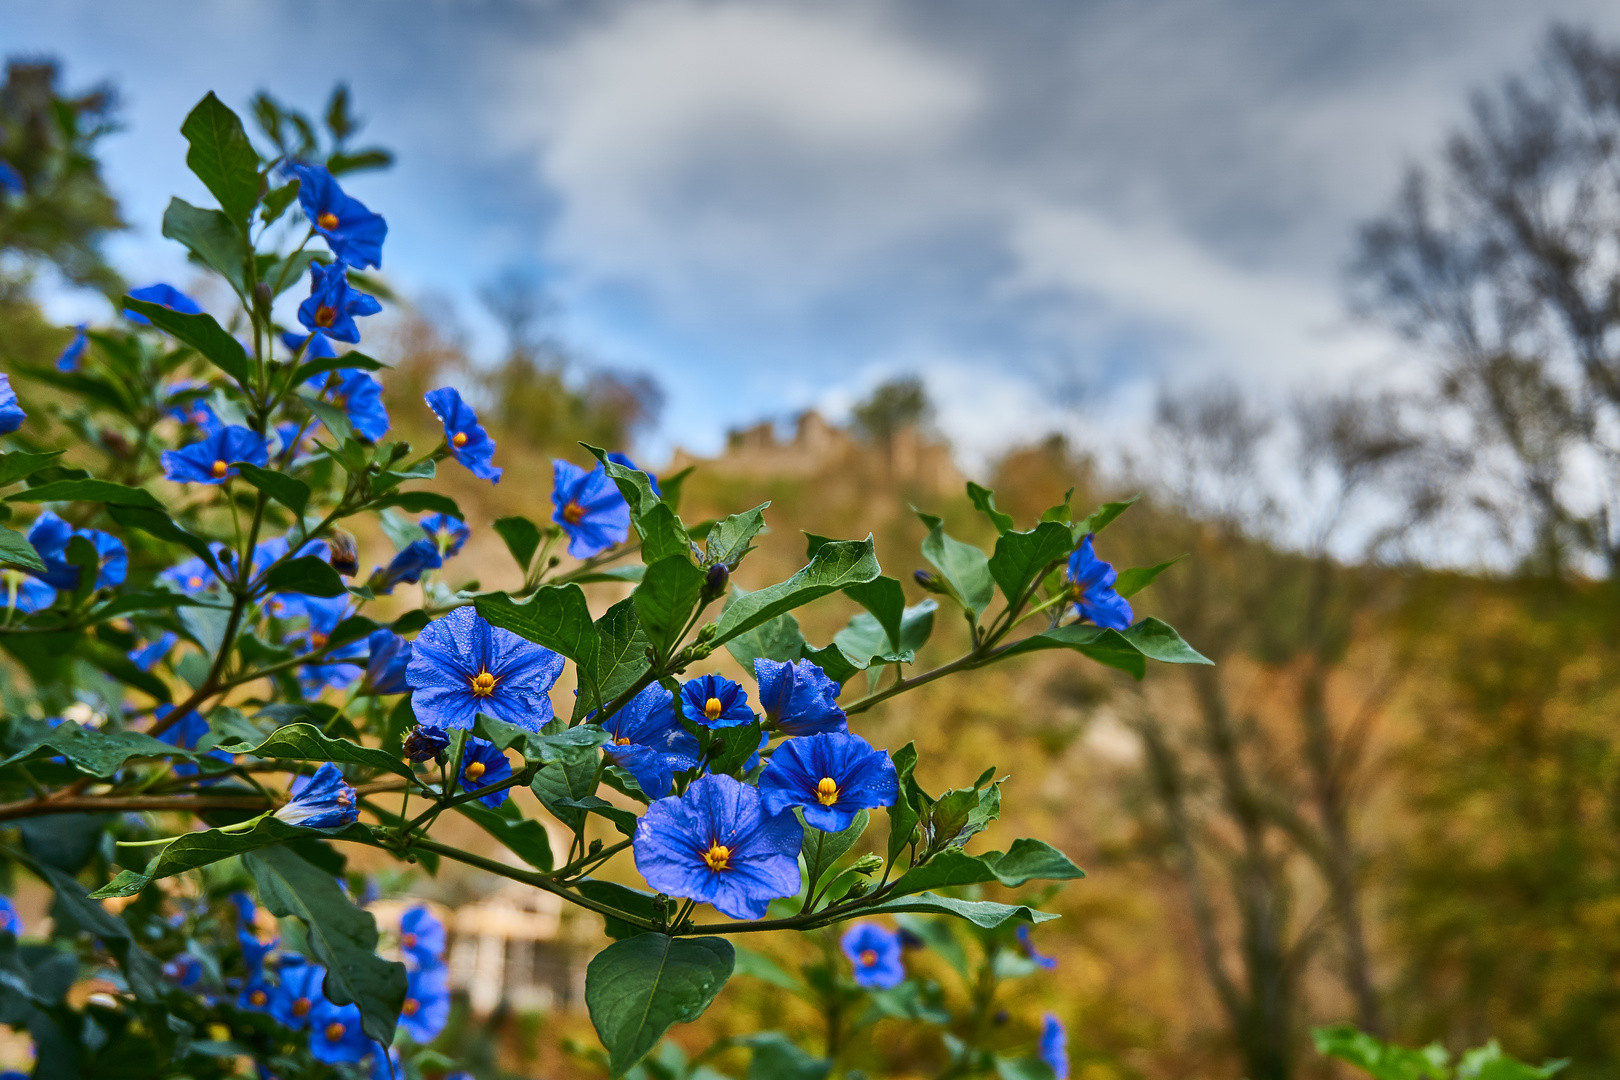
x=425 y=743
x=400 y=450
x=860 y=888
x=717 y=580
x=262 y=296
x=596 y=847
x=345 y=553
x=868 y=864
x=927 y=581
x=707 y=631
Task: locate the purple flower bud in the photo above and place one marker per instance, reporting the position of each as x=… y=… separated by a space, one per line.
x=715 y=582
x=426 y=742
x=345 y=553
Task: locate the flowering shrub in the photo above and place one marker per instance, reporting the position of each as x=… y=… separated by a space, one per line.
x=202 y=653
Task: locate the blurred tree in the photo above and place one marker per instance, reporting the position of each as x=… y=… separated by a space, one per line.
x=892 y=406
x=1504 y=259
x=54 y=206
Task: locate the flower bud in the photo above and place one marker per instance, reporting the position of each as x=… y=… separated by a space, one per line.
x=263 y=297
x=868 y=864
x=425 y=743
x=928 y=581
x=345 y=554
x=860 y=888
x=717 y=580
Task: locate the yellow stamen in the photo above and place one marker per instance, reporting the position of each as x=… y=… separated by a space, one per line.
x=458 y=440
x=868 y=957
x=339 y=400
x=827 y=791
x=483 y=684
x=219 y=468
x=573 y=513
x=712 y=708
x=327 y=220
x=302 y=1006
x=334 y=1031
x=258 y=998
x=194 y=582
x=411 y=1006
x=325 y=316
x=318 y=639
x=408 y=940
x=621 y=742
x=718 y=856
x=475 y=770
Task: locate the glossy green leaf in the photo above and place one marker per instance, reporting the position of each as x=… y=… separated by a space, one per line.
x=276 y=201
x=305 y=742
x=99 y=753
x=1022 y=557
x=305 y=574
x=1383 y=1061
x=421 y=502
x=1137 y=578
x=737 y=745
x=964 y=566
x=779 y=639
x=622 y=658
x=837 y=565
x=662 y=535
x=978 y=912
x=777 y=1057
x=212 y=238
x=524 y=837
x=1100 y=518
x=833 y=662
x=1026 y=860
x=289 y=491
x=556 y=616
x=157 y=523
x=632 y=484
x=141 y=969
x=886 y=600
x=102 y=491
x=341 y=936
x=194 y=849
x=15 y=550
x=202 y=333
x=984 y=500
x=903 y=814
x=623 y=820
x=222 y=157
x=521 y=536
x=636 y=989
x=821 y=850
x=335 y=419
x=731 y=538
x=623 y=899
x=666 y=599
x=323 y=364
x=16 y=465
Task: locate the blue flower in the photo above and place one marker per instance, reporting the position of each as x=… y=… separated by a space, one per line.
x=112 y=558
x=166 y=295
x=427 y=1003
x=589 y=507
x=386 y=1066
x=11 y=181
x=354 y=233
x=649 y=743
x=50 y=535
x=874 y=952
x=298 y=989
x=70 y=357
x=624 y=459
x=425 y=742
x=462 y=666
x=318 y=346
x=25 y=592
x=1091 y=586
x=144 y=656
x=193 y=576
x=421 y=937
x=387 y=656
x=360 y=396
x=184 y=970
x=831 y=777
x=465 y=436
x=10 y=921
x=333 y=303
x=408 y=566
x=1055 y=1046
x=446 y=532
x=1047 y=962
x=210 y=461
x=11 y=414
x=335 y=1035
x=715 y=844
x=336 y=667
x=183 y=400
x=798 y=698
x=715 y=701
x=482 y=765
x=322 y=801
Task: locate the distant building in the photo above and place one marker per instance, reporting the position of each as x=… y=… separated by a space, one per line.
x=817 y=446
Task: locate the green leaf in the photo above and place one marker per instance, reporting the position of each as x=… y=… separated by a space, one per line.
x=624 y=899
x=833 y=662
x=305 y=574
x=524 y=837
x=1384 y=1061
x=1022 y=557
x=421 y=502
x=190 y=850
x=978 y=912
x=17 y=465
x=777 y=1057
x=821 y=850
x=289 y=491
x=985 y=501
x=903 y=815
x=737 y=745
x=335 y=419
x=1026 y=860
x=622 y=658
x=866 y=643
x=759 y=966
x=886 y=600
x=116 y=662
x=779 y=639
x=323 y=364
x=1024 y=1068
x=673 y=486
x=141 y=970
x=1099 y=519
x=283 y=274
x=202 y=333
x=965 y=567
x=631 y=575
x=102 y=491
x=960 y=814
x=305 y=742
x=731 y=538
x=632 y=484
x=557 y=617
x=140 y=601
x=99 y=753
x=222 y=158
x=277 y=200
x=636 y=989
x=157 y=523
x=666 y=599
x=1159 y=641
x=837 y=565
x=522 y=538
x=212 y=238
x=1137 y=578
x=662 y=535
x=15 y=550
x=623 y=820
x=814 y=542
x=341 y=936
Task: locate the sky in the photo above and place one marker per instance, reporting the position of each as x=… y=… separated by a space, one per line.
x=1046 y=209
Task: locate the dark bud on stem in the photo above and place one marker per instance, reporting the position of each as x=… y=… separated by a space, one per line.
x=263 y=298
x=860 y=888
x=908 y=940
x=716 y=581
x=596 y=847
x=345 y=553
x=927 y=581
x=400 y=450
x=426 y=743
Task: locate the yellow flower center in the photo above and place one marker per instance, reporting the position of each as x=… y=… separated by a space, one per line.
x=827 y=791
x=339 y=400
x=325 y=316
x=458 y=440
x=475 y=770
x=408 y=940
x=712 y=708
x=334 y=1031
x=219 y=468
x=573 y=513
x=327 y=220
x=718 y=856
x=411 y=1006
x=194 y=582
x=258 y=998
x=621 y=742
x=483 y=684
x=318 y=639
x=302 y=1006
x=868 y=957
